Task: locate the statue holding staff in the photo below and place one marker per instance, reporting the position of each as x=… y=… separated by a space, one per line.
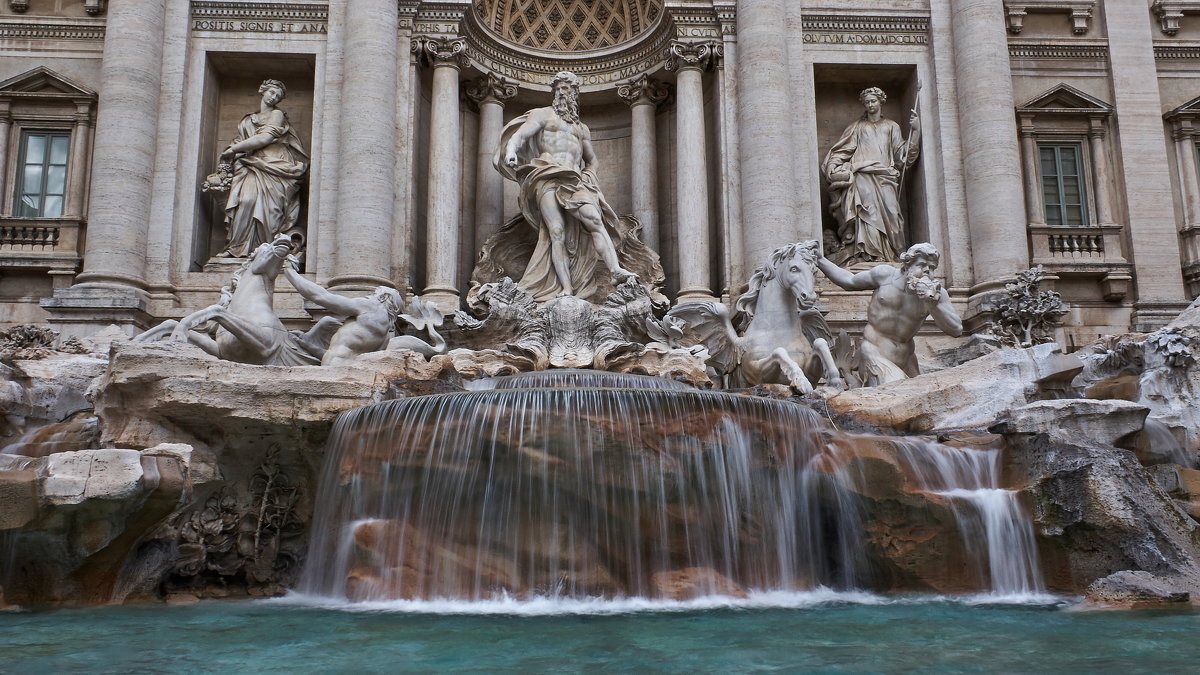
x=865 y=169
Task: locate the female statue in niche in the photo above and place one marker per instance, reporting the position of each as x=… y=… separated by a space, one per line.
x=865 y=169
x=266 y=165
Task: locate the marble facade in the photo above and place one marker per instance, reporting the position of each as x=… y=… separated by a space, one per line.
x=709 y=117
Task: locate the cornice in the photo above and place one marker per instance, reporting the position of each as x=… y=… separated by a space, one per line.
x=1074 y=49
x=261 y=11
x=44 y=28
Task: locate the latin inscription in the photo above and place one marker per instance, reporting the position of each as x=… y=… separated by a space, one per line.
x=864 y=39
x=221 y=26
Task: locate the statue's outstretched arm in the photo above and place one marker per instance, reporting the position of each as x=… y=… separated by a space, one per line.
x=528 y=130
x=944 y=316
x=851 y=282
x=314 y=292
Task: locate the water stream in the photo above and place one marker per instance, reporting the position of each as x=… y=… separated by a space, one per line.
x=578 y=485
x=998 y=534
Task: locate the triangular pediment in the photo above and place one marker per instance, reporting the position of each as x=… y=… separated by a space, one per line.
x=1063 y=98
x=1190 y=108
x=43 y=81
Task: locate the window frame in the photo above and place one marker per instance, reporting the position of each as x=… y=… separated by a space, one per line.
x=1084 y=175
x=18 y=182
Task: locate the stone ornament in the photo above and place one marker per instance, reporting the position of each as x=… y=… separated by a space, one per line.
x=785 y=339
x=262 y=170
x=488 y=88
x=698 y=55
x=243 y=326
x=903 y=298
x=369 y=323
x=865 y=170
x=644 y=90
x=440 y=50
x=581 y=249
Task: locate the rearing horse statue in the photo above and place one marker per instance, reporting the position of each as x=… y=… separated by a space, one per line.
x=785 y=339
x=244 y=325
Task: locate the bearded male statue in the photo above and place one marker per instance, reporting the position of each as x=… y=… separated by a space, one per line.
x=548 y=151
x=903 y=298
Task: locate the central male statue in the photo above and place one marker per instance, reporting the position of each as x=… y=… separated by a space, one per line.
x=548 y=151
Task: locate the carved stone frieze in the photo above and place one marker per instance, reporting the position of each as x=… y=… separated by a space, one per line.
x=1080 y=12
x=1041 y=50
x=865 y=29
x=644 y=90
x=1177 y=52
x=37 y=28
x=220 y=16
x=490 y=87
x=699 y=55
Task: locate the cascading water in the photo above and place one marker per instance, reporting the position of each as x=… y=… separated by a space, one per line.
x=585 y=491
x=988 y=516
x=583 y=484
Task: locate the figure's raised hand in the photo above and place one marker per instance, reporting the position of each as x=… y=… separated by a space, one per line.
x=292 y=262
x=914 y=121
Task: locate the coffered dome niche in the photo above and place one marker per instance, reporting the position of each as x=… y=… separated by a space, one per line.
x=568 y=25
x=605 y=42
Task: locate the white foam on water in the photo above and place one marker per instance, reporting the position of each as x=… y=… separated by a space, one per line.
x=756 y=600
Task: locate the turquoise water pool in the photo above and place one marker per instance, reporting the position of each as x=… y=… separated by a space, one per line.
x=813 y=632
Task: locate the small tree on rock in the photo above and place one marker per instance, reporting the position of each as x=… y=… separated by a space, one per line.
x=1027 y=315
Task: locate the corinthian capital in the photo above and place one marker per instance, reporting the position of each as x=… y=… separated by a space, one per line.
x=699 y=55
x=490 y=88
x=643 y=90
x=440 y=50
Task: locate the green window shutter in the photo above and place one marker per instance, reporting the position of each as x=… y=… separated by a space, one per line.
x=41 y=184
x=1063 y=190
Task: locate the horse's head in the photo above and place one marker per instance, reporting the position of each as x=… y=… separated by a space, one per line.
x=795 y=265
x=266 y=259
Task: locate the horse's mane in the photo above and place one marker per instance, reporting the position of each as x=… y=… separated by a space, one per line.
x=748 y=302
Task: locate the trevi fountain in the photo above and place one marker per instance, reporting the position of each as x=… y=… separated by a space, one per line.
x=566 y=336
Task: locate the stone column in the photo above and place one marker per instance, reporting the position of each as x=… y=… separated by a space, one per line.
x=1096 y=133
x=1145 y=167
x=991 y=159
x=765 y=119
x=489 y=93
x=691 y=175
x=77 y=169
x=367 y=183
x=5 y=128
x=1035 y=211
x=644 y=95
x=442 y=213
x=124 y=152
x=1189 y=181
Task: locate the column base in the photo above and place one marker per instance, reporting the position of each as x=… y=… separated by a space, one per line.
x=358 y=283
x=1151 y=316
x=447 y=300
x=695 y=294
x=80 y=311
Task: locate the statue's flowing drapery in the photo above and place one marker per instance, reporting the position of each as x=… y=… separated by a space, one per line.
x=867 y=206
x=264 y=198
x=573 y=189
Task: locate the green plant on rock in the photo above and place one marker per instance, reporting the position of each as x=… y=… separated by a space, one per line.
x=1025 y=314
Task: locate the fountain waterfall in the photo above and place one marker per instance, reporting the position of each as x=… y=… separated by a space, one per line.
x=589 y=484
